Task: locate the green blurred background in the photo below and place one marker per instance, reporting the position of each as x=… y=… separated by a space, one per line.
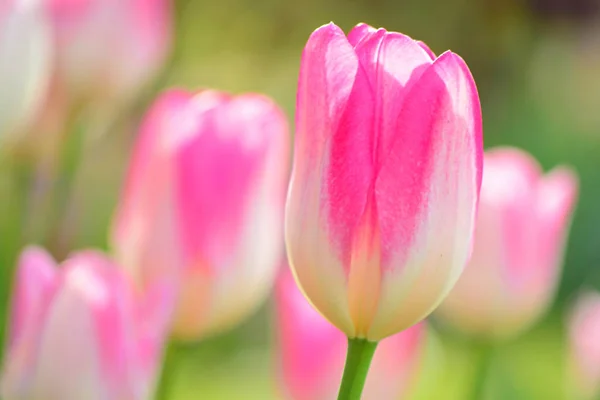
x=537 y=66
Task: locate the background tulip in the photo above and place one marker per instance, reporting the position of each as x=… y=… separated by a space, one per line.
x=107 y=49
x=520 y=237
x=311 y=352
x=25 y=62
x=203 y=204
x=584 y=347
x=385 y=180
x=81 y=333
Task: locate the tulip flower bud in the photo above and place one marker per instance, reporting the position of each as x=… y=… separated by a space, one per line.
x=203 y=204
x=81 y=333
x=25 y=63
x=311 y=352
x=520 y=237
x=584 y=331
x=385 y=181
x=107 y=49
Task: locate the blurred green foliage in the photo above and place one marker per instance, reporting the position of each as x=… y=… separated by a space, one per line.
x=538 y=75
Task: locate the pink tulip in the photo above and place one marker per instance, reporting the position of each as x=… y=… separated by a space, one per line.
x=584 y=331
x=25 y=63
x=109 y=48
x=520 y=237
x=79 y=332
x=311 y=353
x=386 y=176
x=203 y=204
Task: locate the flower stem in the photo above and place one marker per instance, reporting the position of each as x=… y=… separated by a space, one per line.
x=358 y=359
x=483 y=364
x=167 y=375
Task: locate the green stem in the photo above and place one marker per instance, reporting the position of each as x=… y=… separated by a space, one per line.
x=358 y=359
x=167 y=375
x=483 y=364
x=64 y=182
x=12 y=230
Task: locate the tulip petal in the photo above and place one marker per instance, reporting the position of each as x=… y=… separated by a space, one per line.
x=70 y=336
x=25 y=63
x=153 y=320
x=427 y=212
x=229 y=217
x=509 y=194
x=427 y=50
x=556 y=198
x=101 y=286
x=393 y=62
x=360 y=32
x=213 y=208
x=132 y=231
x=332 y=170
x=311 y=350
x=35 y=282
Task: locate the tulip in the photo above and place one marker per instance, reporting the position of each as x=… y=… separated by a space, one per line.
x=79 y=332
x=203 y=205
x=520 y=237
x=385 y=181
x=107 y=49
x=311 y=352
x=584 y=331
x=25 y=63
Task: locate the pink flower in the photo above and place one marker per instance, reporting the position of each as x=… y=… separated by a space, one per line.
x=584 y=331
x=311 y=353
x=520 y=237
x=79 y=332
x=25 y=63
x=203 y=204
x=109 y=48
x=386 y=176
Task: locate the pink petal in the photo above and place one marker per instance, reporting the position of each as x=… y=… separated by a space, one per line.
x=219 y=170
x=35 y=282
x=426 y=194
x=69 y=334
x=360 y=32
x=427 y=49
x=393 y=63
x=153 y=320
x=556 y=198
x=108 y=296
x=332 y=167
x=508 y=196
x=437 y=147
x=311 y=350
x=143 y=233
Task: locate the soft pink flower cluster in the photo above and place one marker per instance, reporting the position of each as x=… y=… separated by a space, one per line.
x=380 y=218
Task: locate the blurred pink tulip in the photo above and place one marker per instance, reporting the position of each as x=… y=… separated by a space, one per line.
x=79 y=332
x=584 y=331
x=311 y=353
x=203 y=204
x=109 y=48
x=520 y=236
x=386 y=176
x=25 y=63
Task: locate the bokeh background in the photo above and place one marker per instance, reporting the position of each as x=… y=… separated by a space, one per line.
x=537 y=66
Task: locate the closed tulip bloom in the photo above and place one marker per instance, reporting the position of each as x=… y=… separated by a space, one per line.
x=311 y=353
x=79 y=332
x=584 y=347
x=25 y=63
x=107 y=49
x=203 y=204
x=522 y=225
x=386 y=175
